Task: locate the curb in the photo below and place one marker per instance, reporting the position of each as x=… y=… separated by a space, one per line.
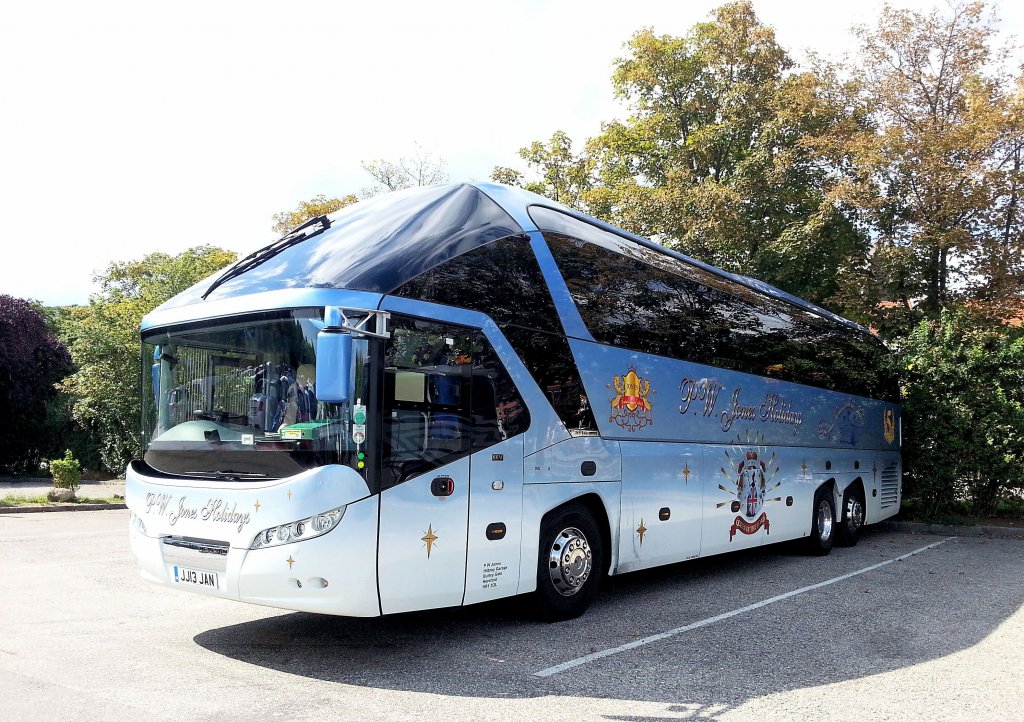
x=28 y=509
x=914 y=527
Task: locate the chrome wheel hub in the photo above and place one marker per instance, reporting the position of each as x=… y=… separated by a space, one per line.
x=570 y=561
x=855 y=513
x=824 y=521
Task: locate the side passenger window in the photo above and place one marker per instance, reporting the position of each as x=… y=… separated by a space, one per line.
x=445 y=394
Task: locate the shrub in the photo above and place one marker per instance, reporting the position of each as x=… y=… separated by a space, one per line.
x=31 y=361
x=963 y=413
x=66 y=472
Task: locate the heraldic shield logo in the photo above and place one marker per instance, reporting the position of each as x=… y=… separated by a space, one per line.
x=749 y=471
x=631 y=409
x=889 y=425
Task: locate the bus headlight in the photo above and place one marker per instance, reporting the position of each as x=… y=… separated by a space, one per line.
x=308 y=528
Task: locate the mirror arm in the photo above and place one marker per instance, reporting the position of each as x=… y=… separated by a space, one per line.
x=338 y=319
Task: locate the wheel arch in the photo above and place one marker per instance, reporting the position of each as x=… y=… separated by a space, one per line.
x=857 y=484
x=839 y=492
x=830 y=487
x=595 y=505
x=601 y=499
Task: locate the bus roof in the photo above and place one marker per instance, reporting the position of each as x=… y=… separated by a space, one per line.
x=379 y=243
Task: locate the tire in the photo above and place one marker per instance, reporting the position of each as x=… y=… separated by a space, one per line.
x=852 y=524
x=570 y=563
x=823 y=515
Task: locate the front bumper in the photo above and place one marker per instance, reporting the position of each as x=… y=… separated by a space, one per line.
x=335 y=573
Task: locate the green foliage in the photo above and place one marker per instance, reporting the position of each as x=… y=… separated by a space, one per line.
x=420 y=169
x=963 y=413
x=723 y=157
x=564 y=175
x=886 y=188
x=938 y=172
x=43 y=500
x=66 y=472
x=1010 y=507
x=104 y=342
x=319 y=205
x=64 y=432
x=507 y=176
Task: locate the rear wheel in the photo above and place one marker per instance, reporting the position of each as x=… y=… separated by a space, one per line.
x=823 y=515
x=852 y=523
x=570 y=563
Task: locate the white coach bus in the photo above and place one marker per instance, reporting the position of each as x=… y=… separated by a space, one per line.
x=454 y=394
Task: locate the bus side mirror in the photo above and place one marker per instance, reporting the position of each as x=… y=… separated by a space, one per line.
x=333 y=366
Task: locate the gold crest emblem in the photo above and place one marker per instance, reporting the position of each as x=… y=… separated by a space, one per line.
x=889 y=425
x=631 y=409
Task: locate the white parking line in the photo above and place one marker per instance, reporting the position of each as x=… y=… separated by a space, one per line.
x=726 y=615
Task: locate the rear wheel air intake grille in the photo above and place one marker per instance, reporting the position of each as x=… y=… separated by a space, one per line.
x=890 y=485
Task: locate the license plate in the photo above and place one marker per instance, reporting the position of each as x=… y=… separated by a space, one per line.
x=195 y=577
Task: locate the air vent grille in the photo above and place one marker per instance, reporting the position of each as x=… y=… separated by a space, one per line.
x=890 y=491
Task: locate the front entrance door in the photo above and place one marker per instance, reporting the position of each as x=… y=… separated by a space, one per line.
x=447 y=395
x=426 y=439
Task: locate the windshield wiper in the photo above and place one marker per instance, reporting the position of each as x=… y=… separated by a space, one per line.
x=226 y=474
x=312 y=227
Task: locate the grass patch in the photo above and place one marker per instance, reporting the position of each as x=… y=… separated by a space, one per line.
x=23 y=500
x=12 y=500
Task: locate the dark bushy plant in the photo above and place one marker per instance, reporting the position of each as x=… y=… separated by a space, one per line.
x=32 y=360
x=963 y=413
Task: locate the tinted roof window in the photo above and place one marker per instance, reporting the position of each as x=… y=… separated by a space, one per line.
x=501 y=279
x=634 y=297
x=377 y=244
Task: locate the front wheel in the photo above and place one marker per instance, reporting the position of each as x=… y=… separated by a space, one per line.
x=823 y=516
x=570 y=564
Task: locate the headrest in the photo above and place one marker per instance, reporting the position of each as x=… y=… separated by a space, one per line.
x=308 y=371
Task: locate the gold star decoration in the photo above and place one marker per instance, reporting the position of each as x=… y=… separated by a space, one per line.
x=429 y=538
x=641 y=530
x=686 y=473
x=804 y=467
x=290 y=561
x=257 y=505
x=289 y=495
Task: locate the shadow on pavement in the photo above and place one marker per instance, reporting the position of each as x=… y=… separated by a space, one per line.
x=930 y=606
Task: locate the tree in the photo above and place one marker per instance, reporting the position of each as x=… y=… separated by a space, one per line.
x=32 y=360
x=940 y=170
x=564 y=175
x=716 y=159
x=104 y=342
x=997 y=283
x=319 y=205
x=422 y=169
x=507 y=176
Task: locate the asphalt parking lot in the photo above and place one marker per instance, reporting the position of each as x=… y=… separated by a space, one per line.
x=866 y=633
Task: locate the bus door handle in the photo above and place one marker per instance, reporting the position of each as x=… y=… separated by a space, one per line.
x=442 y=486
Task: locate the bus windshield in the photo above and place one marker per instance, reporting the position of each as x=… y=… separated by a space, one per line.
x=237 y=399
